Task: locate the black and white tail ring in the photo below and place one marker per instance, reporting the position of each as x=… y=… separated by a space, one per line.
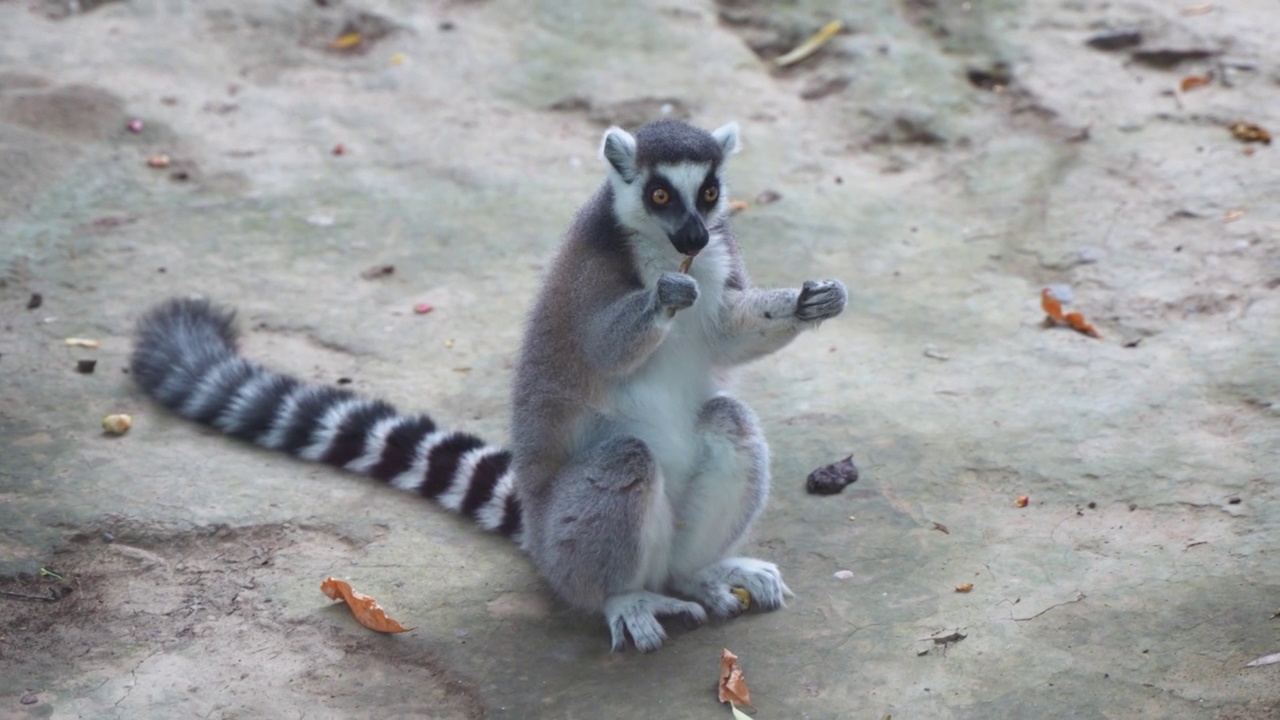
x=186 y=359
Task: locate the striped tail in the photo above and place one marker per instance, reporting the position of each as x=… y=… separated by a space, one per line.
x=186 y=360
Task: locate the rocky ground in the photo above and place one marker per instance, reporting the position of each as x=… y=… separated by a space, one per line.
x=946 y=160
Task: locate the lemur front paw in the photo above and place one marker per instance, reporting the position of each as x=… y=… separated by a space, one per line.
x=821 y=299
x=676 y=291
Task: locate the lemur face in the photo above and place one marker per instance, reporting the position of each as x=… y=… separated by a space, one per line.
x=681 y=199
x=667 y=180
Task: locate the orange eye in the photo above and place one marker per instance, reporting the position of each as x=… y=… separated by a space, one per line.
x=711 y=193
x=660 y=197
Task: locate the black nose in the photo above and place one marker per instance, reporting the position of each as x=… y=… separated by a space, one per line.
x=691 y=237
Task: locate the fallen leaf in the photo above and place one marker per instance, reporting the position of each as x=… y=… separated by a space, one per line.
x=159 y=160
x=810 y=46
x=1264 y=660
x=1022 y=501
x=378 y=271
x=1075 y=321
x=1191 y=82
x=365 y=609
x=347 y=41
x=399 y=59
x=686 y=263
x=964 y=587
x=1232 y=215
x=1249 y=132
x=733 y=688
x=943 y=528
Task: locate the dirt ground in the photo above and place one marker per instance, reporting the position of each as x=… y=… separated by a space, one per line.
x=946 y=160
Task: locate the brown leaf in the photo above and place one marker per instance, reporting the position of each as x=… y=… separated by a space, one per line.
x=365 y=609
x=964 y=587
x=1022 y=501
x=1249 y=132
x=733 y=688
x=1191 y=82
x=1075 y=321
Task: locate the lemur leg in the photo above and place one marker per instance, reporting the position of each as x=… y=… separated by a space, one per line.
x=758 y=322
x=604 y=539
x=724 y=498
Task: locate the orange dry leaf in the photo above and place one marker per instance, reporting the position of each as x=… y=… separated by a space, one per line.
x=365 y=608
x=733 y=689
x=964 y=587
x=1191 y=82
x=1075 y=321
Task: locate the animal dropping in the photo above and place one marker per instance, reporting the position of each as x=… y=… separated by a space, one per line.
x=611 y=494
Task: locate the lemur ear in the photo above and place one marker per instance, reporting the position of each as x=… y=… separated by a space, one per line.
x=619 y=149
x=727 y=137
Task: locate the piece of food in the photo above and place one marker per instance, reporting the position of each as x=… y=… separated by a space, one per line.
x=733 y=688
x=744 y=597
x=686 y=264
x=81 y=342
x=831 y=479
x=964 y=587
x=365 y=609
x=1022 y=501
x=118 y=424
x=810 y=46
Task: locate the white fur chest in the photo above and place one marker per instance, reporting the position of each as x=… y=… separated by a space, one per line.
x=660 y=402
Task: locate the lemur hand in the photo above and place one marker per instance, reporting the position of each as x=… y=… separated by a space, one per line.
x=676 y=291
x=821 y=299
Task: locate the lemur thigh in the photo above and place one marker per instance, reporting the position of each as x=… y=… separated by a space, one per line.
x=759 y=322
x=725 y=496
x=604 y=523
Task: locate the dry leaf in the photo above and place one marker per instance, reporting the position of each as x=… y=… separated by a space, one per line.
x=1075 y=321
x=733 y=688
x=365 y=609
x=347 y=41
x=964 y=587
x=1249 y=132
x=1022 y=501
x=1191 y=82
x=1232 y=215
x=159 y=160
x=81 y=342
x=810 y=46
x=686 y=264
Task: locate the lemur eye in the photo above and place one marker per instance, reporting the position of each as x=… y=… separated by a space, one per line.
x=660 y=196
x=711 y=193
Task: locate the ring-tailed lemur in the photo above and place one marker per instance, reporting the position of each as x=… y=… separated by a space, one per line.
x=632 y=474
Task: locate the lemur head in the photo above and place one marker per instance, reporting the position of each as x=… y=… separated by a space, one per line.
x=666 y=179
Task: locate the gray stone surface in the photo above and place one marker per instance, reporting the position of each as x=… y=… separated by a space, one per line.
x=953 y=159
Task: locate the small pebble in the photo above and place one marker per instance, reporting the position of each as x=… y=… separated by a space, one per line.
x=339 y=149
x=135 y=125
x=85 y=367
x=1234 y=501
x=422 y=308
x=35 y=301
x=843 y=574
x=29 y=699
x=108 y=538
x=320 y=220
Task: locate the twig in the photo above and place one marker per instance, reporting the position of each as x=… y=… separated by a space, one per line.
x=1079 y=596
x=25 y=596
